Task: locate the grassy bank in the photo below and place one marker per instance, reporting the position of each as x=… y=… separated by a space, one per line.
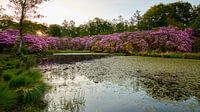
x=148 y=54
x=152 y=54
x=68 y=51
x=170 y=55
x=21 y=85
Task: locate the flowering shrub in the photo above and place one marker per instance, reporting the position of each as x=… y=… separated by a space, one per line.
x=53 y=43
x=8 y=38
x=108 y=43
x=163 y=39
x=35 y=44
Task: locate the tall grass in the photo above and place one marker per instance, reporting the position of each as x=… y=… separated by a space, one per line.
x=7 y=97
x=20 y=83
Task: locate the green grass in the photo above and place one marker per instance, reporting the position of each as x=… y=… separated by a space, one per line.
x=118 y=54
x=20 y=83
x=170 y=55
x=7 y=97
x=69 y=51
x=152 y=54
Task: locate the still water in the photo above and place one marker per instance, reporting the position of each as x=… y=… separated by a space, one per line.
x=123 y=84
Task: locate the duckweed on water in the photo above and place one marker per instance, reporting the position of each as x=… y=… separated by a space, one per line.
x=124 y=83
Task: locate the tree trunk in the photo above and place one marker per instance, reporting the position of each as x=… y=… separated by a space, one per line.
x=21 y=38
x=21 y=42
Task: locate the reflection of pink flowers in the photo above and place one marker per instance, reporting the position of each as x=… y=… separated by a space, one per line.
x=163 y=39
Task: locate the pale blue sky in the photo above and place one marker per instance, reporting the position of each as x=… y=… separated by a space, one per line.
x=83 y=10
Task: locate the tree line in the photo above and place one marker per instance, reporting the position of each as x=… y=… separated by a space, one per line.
x=178 y=14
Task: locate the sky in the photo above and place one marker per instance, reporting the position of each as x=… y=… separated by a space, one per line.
x=81 y=11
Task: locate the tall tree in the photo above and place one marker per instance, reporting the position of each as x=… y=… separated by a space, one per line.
x=24 y=9
x=1 y=15
x=136 y=18
x=1 y=12
x=154 y=17
x=180 y=14
x=55 y=30
x=120 y=24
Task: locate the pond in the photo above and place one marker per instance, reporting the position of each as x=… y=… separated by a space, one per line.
x=122 y=84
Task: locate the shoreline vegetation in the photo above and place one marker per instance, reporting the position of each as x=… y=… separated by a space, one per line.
x=21 y=85
x=87 y=52
x=171 y=55
x=145 y=54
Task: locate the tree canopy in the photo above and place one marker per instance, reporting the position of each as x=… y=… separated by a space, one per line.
x=180 y=14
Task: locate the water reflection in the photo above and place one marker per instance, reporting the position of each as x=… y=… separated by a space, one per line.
x=62 y=59
x=76 y=104
x=115 y=85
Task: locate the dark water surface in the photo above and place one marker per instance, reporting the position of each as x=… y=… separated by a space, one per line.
x=122 y=84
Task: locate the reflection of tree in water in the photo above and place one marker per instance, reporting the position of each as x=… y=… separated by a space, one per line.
x=166 y=86
x=66 y=59
x=76 y=104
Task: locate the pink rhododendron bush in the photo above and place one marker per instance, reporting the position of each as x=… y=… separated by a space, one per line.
x=164 y=39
